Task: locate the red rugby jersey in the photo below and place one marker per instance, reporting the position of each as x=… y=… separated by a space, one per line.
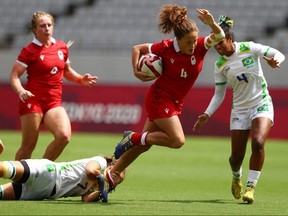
x=180 y=71
x=44 y=67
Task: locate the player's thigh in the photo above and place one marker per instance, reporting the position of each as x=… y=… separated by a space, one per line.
x=30 y=124
x=260 y=128
x=172 y=127
x=150 y=126
x=57 y=121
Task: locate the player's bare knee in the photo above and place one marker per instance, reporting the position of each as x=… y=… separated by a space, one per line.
x=64 y=139
x=258 y=144
x=235 y=160
x=178 y=143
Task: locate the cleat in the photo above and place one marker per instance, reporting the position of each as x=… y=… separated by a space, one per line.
x=108 y=185
x=237 y=188
x=101 y=182
x=124 y=145
x=249 y=195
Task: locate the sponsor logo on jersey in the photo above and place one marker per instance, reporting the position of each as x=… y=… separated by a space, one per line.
x=235 y=119
x=263 y=108
x=166 y=110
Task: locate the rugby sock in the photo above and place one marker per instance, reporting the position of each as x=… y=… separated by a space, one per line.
x=109 y=177
x=253 y=177
x=237 y=174
x=139 y=138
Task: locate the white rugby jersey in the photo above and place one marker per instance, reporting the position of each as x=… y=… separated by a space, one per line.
x=72 y=179
x=69 y=178
x=244 y=72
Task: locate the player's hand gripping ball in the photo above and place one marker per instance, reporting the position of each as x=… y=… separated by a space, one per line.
x=150 y=64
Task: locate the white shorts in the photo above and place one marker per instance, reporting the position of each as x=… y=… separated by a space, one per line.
x=41 y=181
x=241 y=119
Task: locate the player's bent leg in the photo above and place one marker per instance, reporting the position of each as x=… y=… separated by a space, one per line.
x=7 y=192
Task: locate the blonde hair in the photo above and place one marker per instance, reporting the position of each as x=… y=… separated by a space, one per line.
x=37 y=15
x=174 y=18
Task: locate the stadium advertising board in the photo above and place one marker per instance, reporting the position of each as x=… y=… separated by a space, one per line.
x=115 y=108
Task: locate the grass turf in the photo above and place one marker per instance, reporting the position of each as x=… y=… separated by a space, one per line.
x=193 y=180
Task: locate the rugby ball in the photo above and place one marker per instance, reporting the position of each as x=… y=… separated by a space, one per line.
x=150 y=64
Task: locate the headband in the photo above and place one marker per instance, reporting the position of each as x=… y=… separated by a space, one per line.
x=226 y=21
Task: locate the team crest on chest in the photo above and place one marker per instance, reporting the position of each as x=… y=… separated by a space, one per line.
x=172 y=60
x=193 y=60
x=60 y=54
x=42 y=57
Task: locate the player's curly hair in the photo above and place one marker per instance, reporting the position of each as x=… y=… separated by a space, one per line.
x=173 y=17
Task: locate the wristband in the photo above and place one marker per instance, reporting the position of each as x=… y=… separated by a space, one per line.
x=220 y=35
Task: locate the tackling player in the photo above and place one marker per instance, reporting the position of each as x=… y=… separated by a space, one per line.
x=39 y=179
x=252 y=111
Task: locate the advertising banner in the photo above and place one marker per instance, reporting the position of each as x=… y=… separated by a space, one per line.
x=116 y=108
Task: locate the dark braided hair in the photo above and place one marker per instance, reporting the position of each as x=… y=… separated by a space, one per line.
x=226 y=23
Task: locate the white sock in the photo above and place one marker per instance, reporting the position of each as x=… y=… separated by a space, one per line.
x=237 y=174
x=143 y=138
x=253 y=177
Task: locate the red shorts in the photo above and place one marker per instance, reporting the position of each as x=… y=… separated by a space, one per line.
x=159 y=104
x=38 y=106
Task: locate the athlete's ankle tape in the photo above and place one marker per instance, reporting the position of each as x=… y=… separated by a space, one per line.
x=9 y=170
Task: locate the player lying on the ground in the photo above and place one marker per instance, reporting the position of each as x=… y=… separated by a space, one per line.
x=39 y=179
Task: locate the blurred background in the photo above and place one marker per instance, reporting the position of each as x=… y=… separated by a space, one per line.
x=104 y=32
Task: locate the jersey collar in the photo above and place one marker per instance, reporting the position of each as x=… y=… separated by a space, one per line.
x=37 y=42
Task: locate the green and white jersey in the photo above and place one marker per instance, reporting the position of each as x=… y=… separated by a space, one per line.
x=66 y=178
x=244 y=72
x=72 y=179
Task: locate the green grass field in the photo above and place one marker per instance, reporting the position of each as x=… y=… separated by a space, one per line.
x=193 y=180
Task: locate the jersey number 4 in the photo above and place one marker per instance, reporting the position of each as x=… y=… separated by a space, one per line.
x=242 y=77
x=183 y=73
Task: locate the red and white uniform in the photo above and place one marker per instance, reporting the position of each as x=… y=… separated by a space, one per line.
x=45 y=69
x=166 y=95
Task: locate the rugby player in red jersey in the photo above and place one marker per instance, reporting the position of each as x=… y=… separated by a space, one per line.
x=46 y=62
x=182 y=59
